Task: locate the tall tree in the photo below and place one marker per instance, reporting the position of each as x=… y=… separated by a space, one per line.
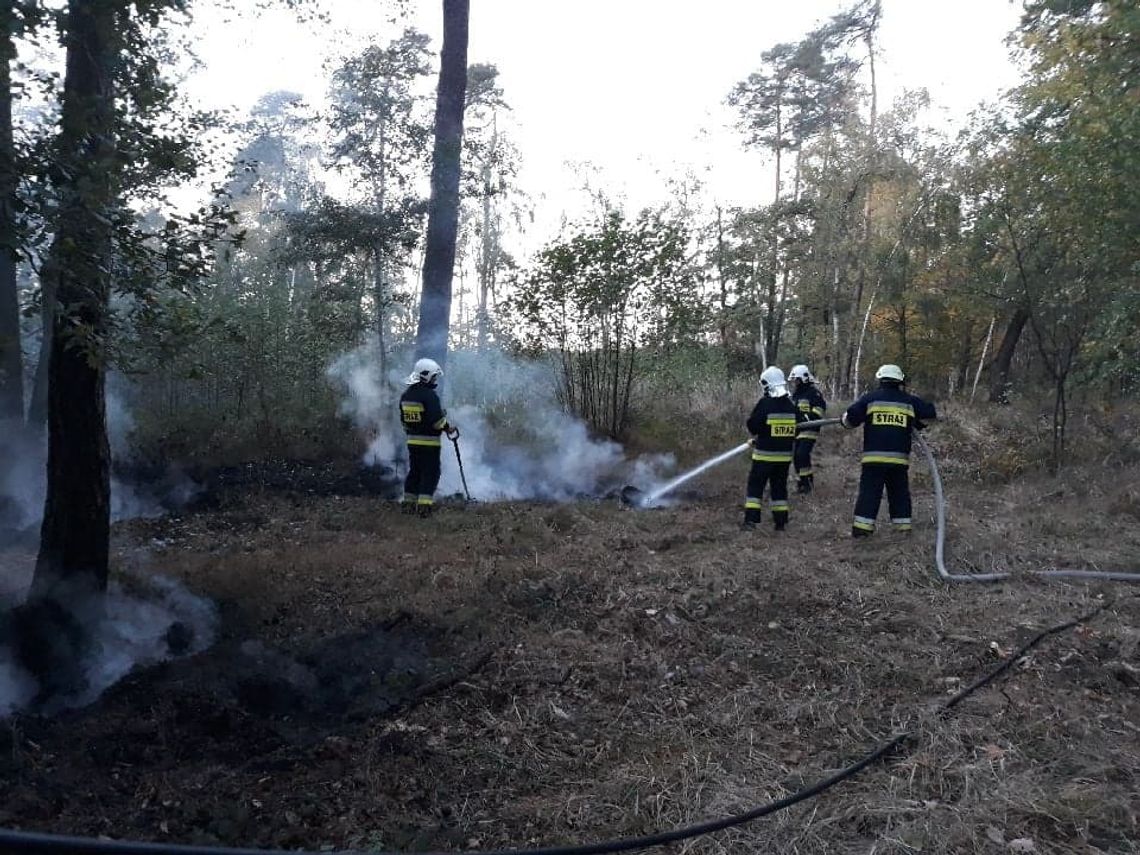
x=861 y=24
x=11 y=357
x=443 y=208
x=491 y=166
x=799 y=92
x=120 y=141
x=72 y=562
x=380 y=130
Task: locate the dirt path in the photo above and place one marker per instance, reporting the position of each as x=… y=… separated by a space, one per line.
x=522 y=674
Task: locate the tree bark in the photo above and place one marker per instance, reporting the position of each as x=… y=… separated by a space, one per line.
x=1003 y=359
x=72 y=565
x=443 y=207
x=11 y=356
x=38 y=406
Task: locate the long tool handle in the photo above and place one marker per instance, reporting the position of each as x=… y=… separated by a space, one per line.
x=459 y=460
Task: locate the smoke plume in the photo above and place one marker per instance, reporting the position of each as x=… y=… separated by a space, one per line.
x=23 y=473
x=515 y=440
x=146 y=621
x=153 y=620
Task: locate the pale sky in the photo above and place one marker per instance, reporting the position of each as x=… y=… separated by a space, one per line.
x=636 y=87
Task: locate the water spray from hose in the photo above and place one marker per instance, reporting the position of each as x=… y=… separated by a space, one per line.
x=653 y=498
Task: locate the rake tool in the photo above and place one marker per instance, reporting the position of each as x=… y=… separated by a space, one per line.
x=454 y=437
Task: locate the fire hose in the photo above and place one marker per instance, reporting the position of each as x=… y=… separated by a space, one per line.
x=21 y=841
x=940 y=534
x=57 y=844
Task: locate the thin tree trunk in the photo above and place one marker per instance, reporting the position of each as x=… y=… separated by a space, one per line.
x=722 y=276
x=1060 y=419
x=982 y=359
x=771 y=337
x=837 y=376
x=488 y=256
x=859 y=349
x=865 y=240
x=11 y=355
x=381 y=312
x=443 y=207
x=380 y=272
x=74 y=539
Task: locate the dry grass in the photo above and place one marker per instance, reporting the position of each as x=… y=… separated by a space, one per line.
x=651 y=669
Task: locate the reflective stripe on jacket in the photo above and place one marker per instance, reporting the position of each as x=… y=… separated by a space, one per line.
x=422 y=415
x=773 y=426
x=888 y=414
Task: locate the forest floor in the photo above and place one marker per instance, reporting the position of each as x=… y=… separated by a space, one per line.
x=520 y=674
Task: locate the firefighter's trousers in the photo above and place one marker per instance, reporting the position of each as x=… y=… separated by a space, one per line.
x=874 y=477
x=423 y=474
x=775 y=477
x=803 y=450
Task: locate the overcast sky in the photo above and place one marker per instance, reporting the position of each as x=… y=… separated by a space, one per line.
x=636 y=87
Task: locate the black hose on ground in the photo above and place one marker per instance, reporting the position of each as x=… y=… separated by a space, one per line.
x=23 y=841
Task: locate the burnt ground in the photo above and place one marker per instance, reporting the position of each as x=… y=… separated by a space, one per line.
x=518 y=674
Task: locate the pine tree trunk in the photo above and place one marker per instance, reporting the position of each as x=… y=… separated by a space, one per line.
x=72 y=565
x=443 y=207
x=865 y=239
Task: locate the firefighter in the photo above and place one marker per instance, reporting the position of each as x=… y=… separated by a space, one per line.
x=773 y=428
x=808 y=400
x=424 y=420
x=888 y=414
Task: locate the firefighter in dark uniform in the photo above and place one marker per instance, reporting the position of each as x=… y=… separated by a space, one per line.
x=808 y=400
x=424 y=420
x=888 y=414
x=773 y=428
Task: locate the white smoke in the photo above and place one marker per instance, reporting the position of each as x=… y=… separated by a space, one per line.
x=23 y=484
x=135 y=631
x=156 y=621
x=371 y=400
x=515 y=440
x=17 y=686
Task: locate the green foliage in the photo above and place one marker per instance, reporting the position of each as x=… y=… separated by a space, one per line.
x=603 y=298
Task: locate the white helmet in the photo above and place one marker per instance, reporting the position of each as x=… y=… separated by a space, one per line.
x=801 y=373
x=773 y=383
x=426 y=371
x=890 y=372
